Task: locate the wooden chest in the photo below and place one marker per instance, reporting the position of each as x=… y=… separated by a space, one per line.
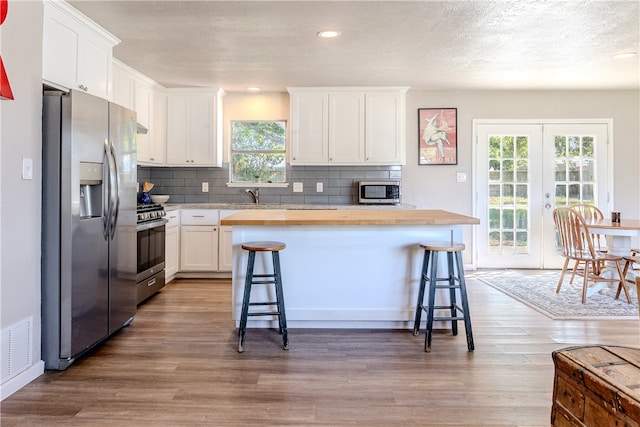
x=596 y=386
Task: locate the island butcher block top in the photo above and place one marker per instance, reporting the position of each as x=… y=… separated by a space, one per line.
x=280 y=217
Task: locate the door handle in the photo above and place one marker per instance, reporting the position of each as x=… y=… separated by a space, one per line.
x=547 y=205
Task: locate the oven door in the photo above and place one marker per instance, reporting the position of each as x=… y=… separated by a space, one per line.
x=151 y=251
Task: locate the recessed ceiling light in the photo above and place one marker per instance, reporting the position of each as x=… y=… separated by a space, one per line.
x=625 y=55
x=253 y=89
x=328 y=34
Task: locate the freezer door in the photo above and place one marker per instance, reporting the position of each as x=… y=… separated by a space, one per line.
x=84 y=249
x=123 y=241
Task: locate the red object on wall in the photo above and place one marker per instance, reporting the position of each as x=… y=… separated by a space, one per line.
x=4 y=5
x=5 y=87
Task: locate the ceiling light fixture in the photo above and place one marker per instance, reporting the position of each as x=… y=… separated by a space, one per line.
x=328 y=34
x=253 y=89
x=625 y=55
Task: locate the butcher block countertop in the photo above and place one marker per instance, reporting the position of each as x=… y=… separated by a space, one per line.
x=283 y=217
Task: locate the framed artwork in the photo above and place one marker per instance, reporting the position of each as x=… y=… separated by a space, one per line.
x=438 y=136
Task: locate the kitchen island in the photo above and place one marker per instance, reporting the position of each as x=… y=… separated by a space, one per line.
x=341 y=268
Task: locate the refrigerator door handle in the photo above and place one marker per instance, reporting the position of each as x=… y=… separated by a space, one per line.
x=112 y=186
x=106 y=193
x=115 y=194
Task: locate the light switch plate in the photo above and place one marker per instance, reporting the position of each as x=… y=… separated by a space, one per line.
x=27 y=168
x=297 y=187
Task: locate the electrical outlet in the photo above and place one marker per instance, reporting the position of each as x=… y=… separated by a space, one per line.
x=461 y=177
x=297 y=187
x=319 y=187
x=205 y=187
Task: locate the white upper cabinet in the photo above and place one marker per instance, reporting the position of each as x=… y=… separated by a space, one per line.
x=194 y=127
x=134 y=90
x=347 y=126
x=385 y=127
x=158 y=128
x=76 y=52
x=309 y=131
x=123 y=85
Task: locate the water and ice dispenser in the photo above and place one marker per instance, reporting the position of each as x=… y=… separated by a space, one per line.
x=90 y=190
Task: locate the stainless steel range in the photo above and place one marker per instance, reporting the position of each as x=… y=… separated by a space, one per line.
x=151 y=251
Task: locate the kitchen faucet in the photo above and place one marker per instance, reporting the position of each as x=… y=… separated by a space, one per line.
x=255 y=194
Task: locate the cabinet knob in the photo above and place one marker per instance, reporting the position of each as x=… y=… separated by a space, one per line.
x=151 y=158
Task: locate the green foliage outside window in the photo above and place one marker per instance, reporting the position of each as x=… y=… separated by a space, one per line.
x=258 y=151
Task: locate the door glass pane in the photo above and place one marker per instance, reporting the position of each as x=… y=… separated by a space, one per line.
x=575 y=169
x=508 y=188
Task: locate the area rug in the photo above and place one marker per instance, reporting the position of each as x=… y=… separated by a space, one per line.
x=538 y=291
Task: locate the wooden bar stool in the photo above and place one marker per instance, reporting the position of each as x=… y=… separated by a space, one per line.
x=251 y=279
x=454 y=280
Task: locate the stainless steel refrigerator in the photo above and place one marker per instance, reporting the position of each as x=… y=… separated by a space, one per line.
x=88 y=223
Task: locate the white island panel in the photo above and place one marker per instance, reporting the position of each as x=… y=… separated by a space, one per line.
x=342 y=276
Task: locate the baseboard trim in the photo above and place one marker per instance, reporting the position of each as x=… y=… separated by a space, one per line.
x=21 y=380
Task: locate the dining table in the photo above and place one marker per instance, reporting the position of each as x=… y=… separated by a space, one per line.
x=618 y=234
x=620 y=239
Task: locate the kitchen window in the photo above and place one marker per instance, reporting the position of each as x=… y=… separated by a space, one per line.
x=258 y=151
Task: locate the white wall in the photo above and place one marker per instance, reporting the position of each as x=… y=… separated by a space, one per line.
x=20 y=203
x=435 y=187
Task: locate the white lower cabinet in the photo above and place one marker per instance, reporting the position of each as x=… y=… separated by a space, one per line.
x=172 y=246
x=199 y=240
x=199 y=248
x=199 y=244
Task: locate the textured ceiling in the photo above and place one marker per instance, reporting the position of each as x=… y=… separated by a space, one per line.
x=523 y=44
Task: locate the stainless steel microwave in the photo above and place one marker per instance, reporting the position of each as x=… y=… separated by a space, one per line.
x=379 y=193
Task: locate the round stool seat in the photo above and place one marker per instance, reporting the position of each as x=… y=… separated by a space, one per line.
x=266 y=246
x=442 y=246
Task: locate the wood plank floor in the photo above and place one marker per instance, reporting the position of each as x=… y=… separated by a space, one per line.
x=177 y=365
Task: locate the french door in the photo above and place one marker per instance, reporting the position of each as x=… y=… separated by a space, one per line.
x=522 y=172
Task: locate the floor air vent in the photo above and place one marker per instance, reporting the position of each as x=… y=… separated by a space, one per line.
x=16 y=349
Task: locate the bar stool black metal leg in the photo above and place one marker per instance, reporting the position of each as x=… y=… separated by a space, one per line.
x=245 y=301
x=465 y=303
x=282 y=319
x=432 y=299
x=423 y=282
x=452 y=293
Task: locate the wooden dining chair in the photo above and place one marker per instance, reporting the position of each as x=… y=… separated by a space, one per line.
x=589 y=213
x=634 y=254
x=577 y=245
